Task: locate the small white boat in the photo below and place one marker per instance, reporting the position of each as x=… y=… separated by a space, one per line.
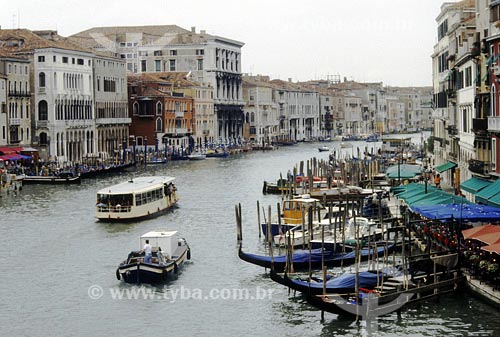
x=197 y=156
x=169 y=252
x=137 y=198
x=345 y=145
x=323 y=148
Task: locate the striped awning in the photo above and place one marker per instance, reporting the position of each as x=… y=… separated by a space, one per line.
x=445 y=167
x=474 y=185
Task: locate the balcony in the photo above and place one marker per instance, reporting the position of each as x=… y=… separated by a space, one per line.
x=14 y=121
x=112 y=121
x=42 y=124
x=479 y=125
x=176 y=132
x=78 y=124
x=479 y=167
x=179 y=114
x=19 y=93
x=494 y=123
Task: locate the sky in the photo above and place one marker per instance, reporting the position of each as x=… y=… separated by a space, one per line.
x=388 y=41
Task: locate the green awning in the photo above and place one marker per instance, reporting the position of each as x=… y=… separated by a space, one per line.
x=445 y=167
x=488 y=192
x=474 y=185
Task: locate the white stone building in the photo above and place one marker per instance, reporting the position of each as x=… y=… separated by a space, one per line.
x=212 y=60
x=18 y=102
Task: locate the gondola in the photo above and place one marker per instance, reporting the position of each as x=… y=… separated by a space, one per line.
x=396 y=293
x=51 y=180
x=340 y=284
x=98 y=171
x=302 y=260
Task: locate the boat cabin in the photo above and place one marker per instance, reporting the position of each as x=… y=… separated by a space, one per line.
x=166 y=240
x=295 y=210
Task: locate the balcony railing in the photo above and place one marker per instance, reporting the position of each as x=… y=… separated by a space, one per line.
x=14 y=121
x=19 y=93
x=176 y=131
x=42 y=124
x=494 y=123
x=479 y=167
x=179 y=114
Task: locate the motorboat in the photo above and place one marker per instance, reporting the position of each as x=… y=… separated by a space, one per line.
x=169 y=252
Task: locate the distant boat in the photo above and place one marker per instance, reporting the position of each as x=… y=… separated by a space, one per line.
x=156 y=161
x=323 y=149
x=96 y=171
x=345 y=145
x=137 y=198
x=197 y=156
x=169 y=253
x=52 y=180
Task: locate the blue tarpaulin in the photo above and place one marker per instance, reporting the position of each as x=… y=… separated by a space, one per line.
x=366 y=279
x=468 y=212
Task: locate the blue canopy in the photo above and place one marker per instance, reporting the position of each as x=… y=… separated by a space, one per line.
x=366 y=279
x=468 y=212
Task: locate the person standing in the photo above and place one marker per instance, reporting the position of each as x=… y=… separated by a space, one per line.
x=148 y=252
x=437 y=180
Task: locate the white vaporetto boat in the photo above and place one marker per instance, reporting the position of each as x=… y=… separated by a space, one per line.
x=137 y=198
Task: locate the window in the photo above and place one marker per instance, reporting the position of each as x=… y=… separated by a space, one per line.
x=157 y=65
x=158 y=108
x=122 y=44
x=159 y=125
x=200 y=52
x=173 y=52
x=123 y=56
x=135 y=110
x=73 y=60
x=157 y=53
x=143 y=53
x=41 y=80
x=41 y=58
x=172 y=65
x=143 y=66
x=65 y=59
x=43 y=139
x=42 y=111
x=79 y=62
x=200 y=64
x=54 y=59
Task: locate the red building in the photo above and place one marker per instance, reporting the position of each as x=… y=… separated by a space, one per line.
x=161 y=112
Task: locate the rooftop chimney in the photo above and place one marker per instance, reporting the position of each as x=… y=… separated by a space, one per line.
x=193 y=29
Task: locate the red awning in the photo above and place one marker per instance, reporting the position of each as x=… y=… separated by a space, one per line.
x=474 y=232
x=492 y=248
x=9 y=150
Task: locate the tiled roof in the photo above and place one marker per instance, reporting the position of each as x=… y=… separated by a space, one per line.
x=26 y=41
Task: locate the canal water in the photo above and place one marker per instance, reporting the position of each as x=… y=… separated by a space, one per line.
x=58 y=264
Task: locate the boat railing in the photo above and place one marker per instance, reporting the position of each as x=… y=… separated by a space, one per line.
x=114 y=209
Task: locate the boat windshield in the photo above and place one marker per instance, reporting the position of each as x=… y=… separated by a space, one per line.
x=115 y=199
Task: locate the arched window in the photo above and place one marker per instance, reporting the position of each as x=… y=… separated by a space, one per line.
x=43 y=138
x=159 y=127
x=41 y=80
x=136 y=108
x=43 y=111
x=158 y=108
x=252 y=118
